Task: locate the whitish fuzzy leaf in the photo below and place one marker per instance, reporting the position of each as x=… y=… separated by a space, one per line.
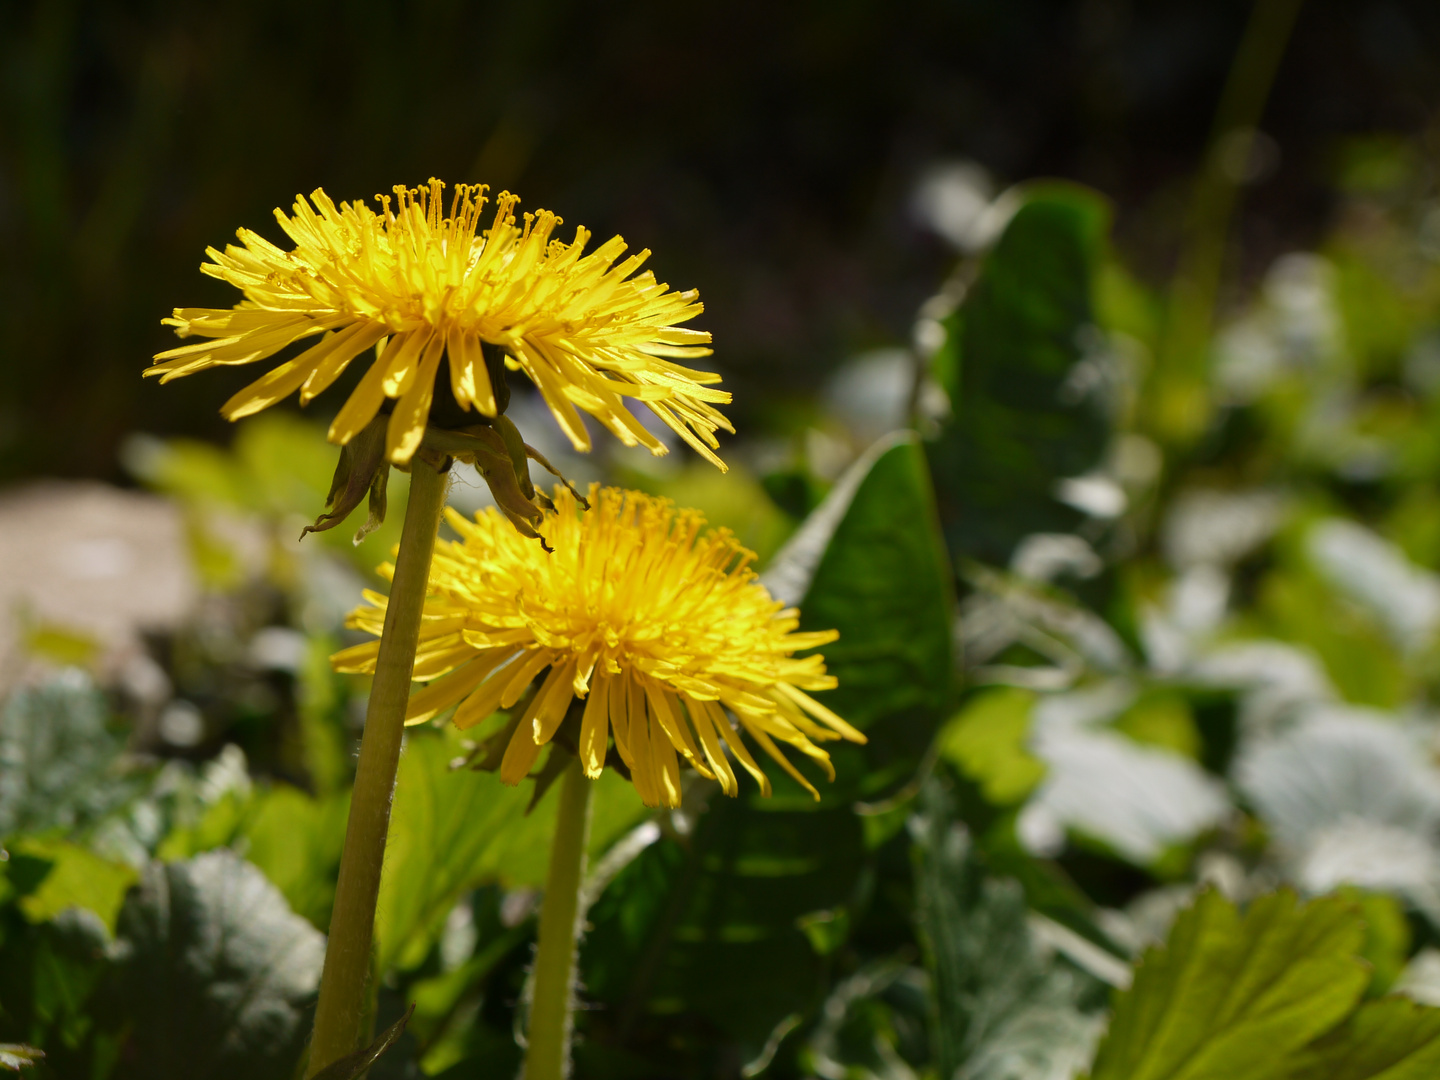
x=1349 y=798
x=1420 y=981
x=991 y=985
x=17 y=1056
x=1138 y=799
x=218 y=973
x=1230 y=997
x=1373 y=572
x=1039 y=1042
x=59 y=761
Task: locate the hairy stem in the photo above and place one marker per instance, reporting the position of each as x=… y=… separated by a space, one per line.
x=551 y=1021
x=340 y=1015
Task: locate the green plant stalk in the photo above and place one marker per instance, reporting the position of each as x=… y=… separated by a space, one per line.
x=1181 y=406
x=341 y=1013
x=551 y=1016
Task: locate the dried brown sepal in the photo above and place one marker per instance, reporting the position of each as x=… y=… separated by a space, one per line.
x=539 y=458
x=515 y=447
x=363 y=470
x=485 y=448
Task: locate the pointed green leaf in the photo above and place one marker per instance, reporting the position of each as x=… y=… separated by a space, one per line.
x=884 y=582
x=1024 y=413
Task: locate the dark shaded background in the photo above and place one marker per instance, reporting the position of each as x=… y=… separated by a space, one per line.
x=765 y=151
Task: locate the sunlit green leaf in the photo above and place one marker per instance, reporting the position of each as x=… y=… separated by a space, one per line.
x=76 y=878
x=451 y=830
x=296 y=840
x=1392 y=1039
x=217 y=826
x=321 y=700
x=1162 y=718
x=986 y=741
x=1231 y=996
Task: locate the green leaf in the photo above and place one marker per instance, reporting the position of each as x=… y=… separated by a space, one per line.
x=218 y=825
x=989 y=982
x=1162 y=718
x=1022 y=416
x=296 y=841
x=48 y=973
x=440 y=1000
x=322 y=699
x=59 y=761
x=1391 y=1039
x=218 y=973
x=76 y=878
x=453 y=830
x=1387 y=937
x=884 y=582
x=986 y=741
x=712 y=931
x=279 y=469
x=682 y=933
x=1232 y=997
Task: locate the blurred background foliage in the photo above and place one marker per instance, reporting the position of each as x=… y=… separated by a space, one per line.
x=1087 y=372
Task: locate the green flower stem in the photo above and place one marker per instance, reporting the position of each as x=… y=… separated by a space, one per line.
x=548 y=1056
x=340 y=1015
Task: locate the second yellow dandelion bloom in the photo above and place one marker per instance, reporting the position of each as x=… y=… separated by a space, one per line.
x=660 y=627
x=431 y=289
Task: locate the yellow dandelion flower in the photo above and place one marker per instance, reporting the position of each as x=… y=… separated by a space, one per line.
x=429 y=291
x=660 y=628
